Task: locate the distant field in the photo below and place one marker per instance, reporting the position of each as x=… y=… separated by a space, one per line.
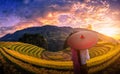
x=38 y=60
x=117 y=37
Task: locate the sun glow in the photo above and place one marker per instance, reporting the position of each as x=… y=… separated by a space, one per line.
x=81 y=15
x=108 y=31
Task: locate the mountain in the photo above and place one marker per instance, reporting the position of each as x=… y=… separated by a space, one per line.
x=55 y=36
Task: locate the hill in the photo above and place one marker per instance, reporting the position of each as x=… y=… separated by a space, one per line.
x=55 y=36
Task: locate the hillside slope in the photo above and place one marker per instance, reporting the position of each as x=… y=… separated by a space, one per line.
x=55 y=36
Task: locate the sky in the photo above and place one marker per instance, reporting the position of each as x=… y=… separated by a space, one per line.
x=19 y=14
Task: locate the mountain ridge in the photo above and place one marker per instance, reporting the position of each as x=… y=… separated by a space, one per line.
x=56 y=36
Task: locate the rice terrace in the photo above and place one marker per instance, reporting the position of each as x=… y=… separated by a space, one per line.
x=59 y=37
x=34 y=59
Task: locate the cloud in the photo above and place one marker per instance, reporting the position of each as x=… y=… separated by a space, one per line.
x=21 y=25
x=19 y=14
x=26 y=1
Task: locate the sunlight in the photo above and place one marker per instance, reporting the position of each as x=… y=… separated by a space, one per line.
x=108 y=31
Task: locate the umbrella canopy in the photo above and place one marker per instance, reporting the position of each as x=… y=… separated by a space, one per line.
x=82 y=40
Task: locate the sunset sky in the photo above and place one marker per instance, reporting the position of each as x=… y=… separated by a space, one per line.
x=19 y=14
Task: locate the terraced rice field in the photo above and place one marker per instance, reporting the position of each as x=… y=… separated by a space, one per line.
x=38 y=60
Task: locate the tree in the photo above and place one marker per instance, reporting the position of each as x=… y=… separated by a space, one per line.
x=35 y=39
